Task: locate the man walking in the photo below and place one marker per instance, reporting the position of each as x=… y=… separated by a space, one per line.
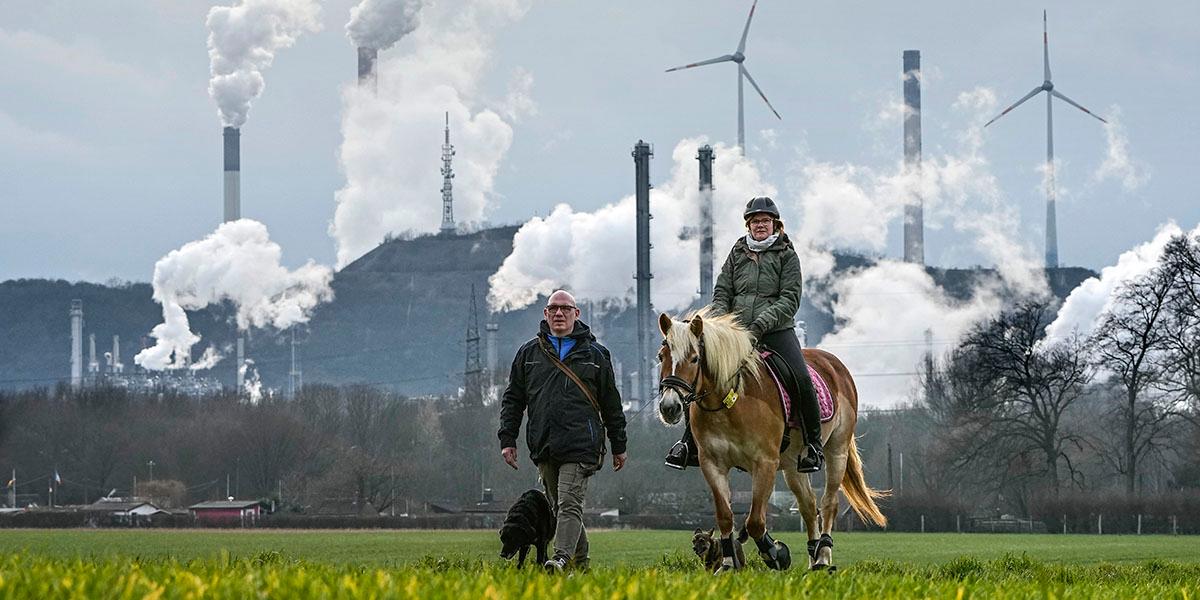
x=564 y=379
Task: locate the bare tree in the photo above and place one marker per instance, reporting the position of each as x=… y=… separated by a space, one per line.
x=1181 y=373
x=1132 y=342
x=1035 y=383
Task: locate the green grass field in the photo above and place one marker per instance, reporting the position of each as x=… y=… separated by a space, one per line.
x=635 y=564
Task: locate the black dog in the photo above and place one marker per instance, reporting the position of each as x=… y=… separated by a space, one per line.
x=530 y=522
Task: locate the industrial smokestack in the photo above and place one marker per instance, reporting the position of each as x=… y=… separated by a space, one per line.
x=117 y=367
x=76 y=344
x=706 y=156
x=93 y=364
x=914 y=219
x=233 y=174
x=492 y=350
x=241 y=364
x=641 y=163
x=367 y=76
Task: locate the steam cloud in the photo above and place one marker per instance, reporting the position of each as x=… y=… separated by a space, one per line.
x=390 y=152
x=242 y=42
x=379 y=24
x=1082 y=309
x=882 y=311
x=1118 y=163
x=238 y=262
x=591 y=253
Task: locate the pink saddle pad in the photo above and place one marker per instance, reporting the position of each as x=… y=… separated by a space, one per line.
x=824 y=398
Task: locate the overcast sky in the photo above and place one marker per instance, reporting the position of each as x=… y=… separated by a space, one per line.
x=110 y=145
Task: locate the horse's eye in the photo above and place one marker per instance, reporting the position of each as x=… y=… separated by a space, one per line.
x=695 y=359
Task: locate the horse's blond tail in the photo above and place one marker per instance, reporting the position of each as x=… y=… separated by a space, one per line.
x=861 y=496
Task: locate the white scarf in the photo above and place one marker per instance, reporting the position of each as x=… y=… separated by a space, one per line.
x=758 y=246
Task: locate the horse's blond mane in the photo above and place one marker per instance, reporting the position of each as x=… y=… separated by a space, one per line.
x=727 y=347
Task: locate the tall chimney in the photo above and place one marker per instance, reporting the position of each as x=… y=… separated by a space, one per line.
x=76 y=344
x=233 y=174
x=93 y=364
x=241 y=364
x=641 y=163
x=367 y=76
x=117 y=367
x=914 y=219
x=706 y=157
x=492 y=350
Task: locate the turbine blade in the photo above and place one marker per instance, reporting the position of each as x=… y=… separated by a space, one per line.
x=1015 y=104
x=1060 y=96
x=1045 y=48
x=759 y=90
x=725 y=58
x=746 y=31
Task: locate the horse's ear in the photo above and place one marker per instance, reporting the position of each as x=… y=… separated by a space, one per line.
x=697 y=326
x=664 y=323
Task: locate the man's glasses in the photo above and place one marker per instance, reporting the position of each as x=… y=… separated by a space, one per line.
x=563 y=308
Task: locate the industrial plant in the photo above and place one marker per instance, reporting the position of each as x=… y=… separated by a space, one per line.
x=402 y=311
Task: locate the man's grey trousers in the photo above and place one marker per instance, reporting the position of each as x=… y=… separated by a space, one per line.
x=566 y=485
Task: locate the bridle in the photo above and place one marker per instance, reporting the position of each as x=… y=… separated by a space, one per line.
x=688 y=391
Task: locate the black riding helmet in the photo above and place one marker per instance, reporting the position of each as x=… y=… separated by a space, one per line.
x=761 y=204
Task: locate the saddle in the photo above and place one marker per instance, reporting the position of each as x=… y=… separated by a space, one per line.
x=781 y=374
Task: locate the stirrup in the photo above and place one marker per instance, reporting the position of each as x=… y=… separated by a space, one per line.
x=812 y=460
x=681 y=457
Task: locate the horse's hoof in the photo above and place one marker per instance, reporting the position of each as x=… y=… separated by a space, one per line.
x=819 y=566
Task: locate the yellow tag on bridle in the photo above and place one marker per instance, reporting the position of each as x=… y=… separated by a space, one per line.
x=730 y=399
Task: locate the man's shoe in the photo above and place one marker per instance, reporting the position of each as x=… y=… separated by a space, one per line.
x=555 y=565
x=680 y=457
x=812 y=460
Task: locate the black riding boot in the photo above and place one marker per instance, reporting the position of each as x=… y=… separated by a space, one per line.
x=805 y=401
x=683 y=454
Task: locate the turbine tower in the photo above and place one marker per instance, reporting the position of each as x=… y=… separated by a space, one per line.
x=738 y=57
x=1048 y=87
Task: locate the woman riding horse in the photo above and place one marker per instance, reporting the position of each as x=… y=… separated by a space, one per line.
x=760 y=284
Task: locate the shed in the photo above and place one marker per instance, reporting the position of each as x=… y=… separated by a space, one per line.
x=226 y=512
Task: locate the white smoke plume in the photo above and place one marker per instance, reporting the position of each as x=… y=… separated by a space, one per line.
x=1082 y=309
x=884 y=311
x=379 y=24
x=242 y=42
x=1118 y=163
x=592 y=253
x=391 y=154
x=238 y=263
x=208 y=360
x=252 y=386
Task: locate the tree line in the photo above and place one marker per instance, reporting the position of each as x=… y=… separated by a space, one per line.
x=1007 y=421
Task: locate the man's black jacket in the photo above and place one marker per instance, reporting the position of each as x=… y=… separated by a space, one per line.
x=563 y=425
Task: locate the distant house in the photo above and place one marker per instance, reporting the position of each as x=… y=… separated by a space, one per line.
x=226 y=512
x=124 y=511
x=343 y=507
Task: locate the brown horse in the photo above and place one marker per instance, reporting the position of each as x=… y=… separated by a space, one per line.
x=711 y=368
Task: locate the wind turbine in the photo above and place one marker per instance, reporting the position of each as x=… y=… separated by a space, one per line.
x=1048 y=87
x=738 y=57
